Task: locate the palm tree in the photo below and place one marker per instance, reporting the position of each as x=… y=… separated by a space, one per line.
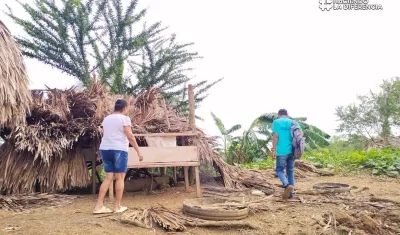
x=226 y=133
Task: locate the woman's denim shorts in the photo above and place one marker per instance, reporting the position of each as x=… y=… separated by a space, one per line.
x=115 y=161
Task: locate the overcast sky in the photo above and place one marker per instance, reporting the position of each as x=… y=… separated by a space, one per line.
x=272 y=54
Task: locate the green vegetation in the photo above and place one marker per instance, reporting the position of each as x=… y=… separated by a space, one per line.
x=109 y=38
x=366 y=124
x=375 y=114
x=255 y=142
x=378 y=162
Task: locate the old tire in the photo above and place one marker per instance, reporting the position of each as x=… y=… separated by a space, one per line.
x=214 y=209
x=332 y=187
x=216 y=218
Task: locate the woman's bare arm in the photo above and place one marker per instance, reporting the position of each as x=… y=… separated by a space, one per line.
x=132 y=140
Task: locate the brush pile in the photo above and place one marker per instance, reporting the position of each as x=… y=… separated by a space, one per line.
x=172 y=221
x=47 y=150
x=14 y=92
x=33 y=201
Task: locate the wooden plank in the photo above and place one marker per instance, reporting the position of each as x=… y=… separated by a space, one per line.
x=167 y=164
x=163 y=155
x=168 y=134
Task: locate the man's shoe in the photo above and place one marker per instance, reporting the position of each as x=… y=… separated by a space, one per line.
x=288 y=191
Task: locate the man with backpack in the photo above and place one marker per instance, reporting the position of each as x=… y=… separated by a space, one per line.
x=287 y=146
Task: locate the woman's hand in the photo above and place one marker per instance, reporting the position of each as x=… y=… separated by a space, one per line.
x=140 y=156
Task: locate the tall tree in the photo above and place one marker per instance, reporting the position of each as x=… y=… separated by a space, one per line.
x=78 y=37
x=82 y=36
x=374 y=115
x=164 y=64
x=359 y=119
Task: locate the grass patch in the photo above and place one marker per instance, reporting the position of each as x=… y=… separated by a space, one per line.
x=376 y=161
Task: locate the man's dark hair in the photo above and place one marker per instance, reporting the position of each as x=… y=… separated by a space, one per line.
x=282 y=112
x=120 y=105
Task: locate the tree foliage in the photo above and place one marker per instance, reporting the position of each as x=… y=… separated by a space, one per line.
x=255 y=142
x=79 y=37
x=163 y=64
x=374 y=115
x=226 y=134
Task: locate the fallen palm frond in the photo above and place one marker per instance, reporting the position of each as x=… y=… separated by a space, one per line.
x=14 y=92
x=174 y=222
x=31 y=201
x=305 y=167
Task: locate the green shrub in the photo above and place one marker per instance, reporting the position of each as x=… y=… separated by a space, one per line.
x=267 y=163
x=380 y=161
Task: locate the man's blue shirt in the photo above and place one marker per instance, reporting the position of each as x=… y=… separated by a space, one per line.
x=281 y=127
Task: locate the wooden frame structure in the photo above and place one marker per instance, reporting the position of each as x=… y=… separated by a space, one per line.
x=176 y=156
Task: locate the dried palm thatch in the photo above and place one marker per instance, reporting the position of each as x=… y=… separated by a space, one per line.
x=31 y=201
x=173 y=222
x=62 y=122
x=14 y=92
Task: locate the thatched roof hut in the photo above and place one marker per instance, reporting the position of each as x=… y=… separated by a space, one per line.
x=14 y=91
x=48 y=148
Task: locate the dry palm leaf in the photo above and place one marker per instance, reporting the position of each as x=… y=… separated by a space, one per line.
x=14 y=92
x=171 y=221
x=30 y=201
x=48 y=148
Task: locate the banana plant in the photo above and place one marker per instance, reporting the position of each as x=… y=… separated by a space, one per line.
x=225 y=133
x=315 y=137
x=252 y=145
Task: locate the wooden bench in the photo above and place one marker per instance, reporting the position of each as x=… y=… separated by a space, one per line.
x=179 y=156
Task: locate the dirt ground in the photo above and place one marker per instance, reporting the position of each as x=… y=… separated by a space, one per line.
x=283 y=218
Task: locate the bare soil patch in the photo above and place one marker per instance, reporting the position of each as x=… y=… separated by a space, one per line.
x=317 y=214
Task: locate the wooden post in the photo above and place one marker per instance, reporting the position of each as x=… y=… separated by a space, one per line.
x=198 y=188
x=175 y=176
x=94 y=174
x=168 y=126
x=186 y=173
x=192 y=124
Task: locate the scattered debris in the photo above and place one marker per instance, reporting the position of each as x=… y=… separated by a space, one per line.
x=257 y=193
x=32 y=201
x=327 y=188
x=173 y=222
x=215 y=209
